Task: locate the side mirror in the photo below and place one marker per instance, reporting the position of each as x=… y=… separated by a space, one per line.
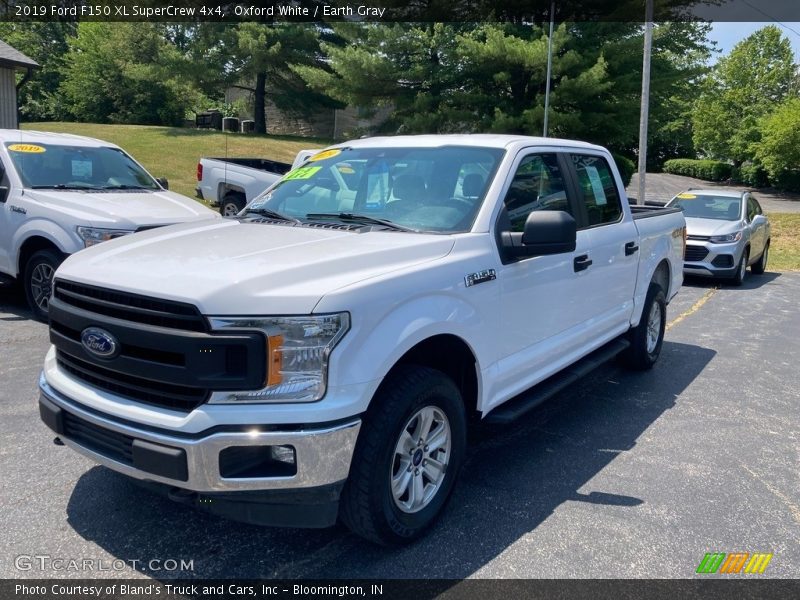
x=546 y=232
x=162 y=181
x=3 y=193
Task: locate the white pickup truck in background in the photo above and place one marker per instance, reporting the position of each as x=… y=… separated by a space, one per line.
x=230 y=183
x=319 y=357
x=61 y=193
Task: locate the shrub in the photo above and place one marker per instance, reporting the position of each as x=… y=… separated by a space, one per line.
x=751 y=174
x=710 y=170
x=626 y=167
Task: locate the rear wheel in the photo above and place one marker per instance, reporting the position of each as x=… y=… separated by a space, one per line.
x=232 y=204
x=407 y=458
x=648 y=336
x=741 y=269
x=38 y=281
x=759 y=267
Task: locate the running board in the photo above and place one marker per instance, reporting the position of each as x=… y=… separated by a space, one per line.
x=530 y=399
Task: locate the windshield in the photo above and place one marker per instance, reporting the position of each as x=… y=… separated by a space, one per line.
x=723 y=208
x=422 y=189
x=77 y=167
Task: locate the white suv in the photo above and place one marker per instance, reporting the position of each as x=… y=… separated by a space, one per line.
x=61 y=193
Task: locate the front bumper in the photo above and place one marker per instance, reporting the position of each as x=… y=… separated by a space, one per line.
x=705 y=259
x=192 y=462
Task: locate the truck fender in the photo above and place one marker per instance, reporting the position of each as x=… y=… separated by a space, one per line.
x=656 y=253
x=371 y=357
x=45 y=229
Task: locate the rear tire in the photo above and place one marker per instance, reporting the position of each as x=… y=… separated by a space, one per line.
x=407 y=457
x=38 y=281
x=648 y=336
x=232 y=204
x=741 y=269
x=759 y=267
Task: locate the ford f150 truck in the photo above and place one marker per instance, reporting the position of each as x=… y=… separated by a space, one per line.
x=319 y=356
x=230 y=183
x=60 y=193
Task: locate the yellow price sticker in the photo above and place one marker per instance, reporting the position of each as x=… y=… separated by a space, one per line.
x=301 y=173
x=325 y=154
x=686 y=196
x=26 y=148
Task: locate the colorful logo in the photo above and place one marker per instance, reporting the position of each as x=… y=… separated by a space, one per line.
x=734 y=562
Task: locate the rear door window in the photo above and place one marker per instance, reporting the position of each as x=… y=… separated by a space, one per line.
x=598 y=189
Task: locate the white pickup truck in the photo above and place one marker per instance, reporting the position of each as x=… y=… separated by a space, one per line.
x=230 y=183
x=319 y=356
x=60 y=193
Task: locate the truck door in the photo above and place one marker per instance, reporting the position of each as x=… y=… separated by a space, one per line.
x=543 y=299
x=613 y=241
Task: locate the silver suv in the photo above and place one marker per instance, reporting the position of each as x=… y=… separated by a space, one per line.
x=727 y=232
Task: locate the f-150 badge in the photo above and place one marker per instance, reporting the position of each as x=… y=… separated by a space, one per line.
x=480 y=277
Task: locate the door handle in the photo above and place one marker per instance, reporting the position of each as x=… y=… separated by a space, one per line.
x=630 y=248
x=581 y=262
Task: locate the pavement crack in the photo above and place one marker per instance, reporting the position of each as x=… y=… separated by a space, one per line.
x=793 y=508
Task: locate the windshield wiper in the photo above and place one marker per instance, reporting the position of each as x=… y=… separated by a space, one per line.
x=265 y=212
x=63 y=186
x=125 y=186
x=357 y=218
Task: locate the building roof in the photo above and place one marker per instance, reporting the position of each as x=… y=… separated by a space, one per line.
x=11 y=57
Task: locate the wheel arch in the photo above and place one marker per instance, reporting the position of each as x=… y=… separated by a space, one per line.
x=451 y=355
x=31 y=246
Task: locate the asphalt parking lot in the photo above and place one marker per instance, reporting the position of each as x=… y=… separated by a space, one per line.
x=622 y=475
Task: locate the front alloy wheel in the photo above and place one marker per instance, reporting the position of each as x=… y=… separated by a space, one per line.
x=420 y=459
x=39 y=272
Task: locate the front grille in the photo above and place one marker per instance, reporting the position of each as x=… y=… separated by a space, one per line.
x=695 y=253
x=698 y=238
x=131 y=307
x=175 y=397
x=114 y=445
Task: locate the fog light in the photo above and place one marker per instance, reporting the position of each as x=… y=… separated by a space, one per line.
x=255 y=462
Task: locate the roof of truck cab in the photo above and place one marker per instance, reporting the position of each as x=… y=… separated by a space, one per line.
x=10 y=136
x=481 y=140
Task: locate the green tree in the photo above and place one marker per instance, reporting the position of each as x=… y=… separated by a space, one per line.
x=779 y=149
x=124 y=73
x=742 y=88
x=47 y=44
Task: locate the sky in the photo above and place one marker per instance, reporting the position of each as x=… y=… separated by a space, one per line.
x=728 y=33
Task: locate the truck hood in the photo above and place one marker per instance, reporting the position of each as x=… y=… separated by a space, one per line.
x=698 y=226
x=123 y=209
x=228 y=267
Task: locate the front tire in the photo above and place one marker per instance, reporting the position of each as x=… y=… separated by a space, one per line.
x=647 y=337
x=741 y=269
x=759 y=267
x=38 y=281
x=407 y=458
x=232 y=204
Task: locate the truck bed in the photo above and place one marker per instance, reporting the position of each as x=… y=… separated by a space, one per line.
x=262 y=164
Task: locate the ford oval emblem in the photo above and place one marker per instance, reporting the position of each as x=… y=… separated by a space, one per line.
x=99 y=342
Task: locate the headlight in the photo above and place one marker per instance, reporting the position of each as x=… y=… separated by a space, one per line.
x=297 y=350
x=95 y=235
x=725 y=239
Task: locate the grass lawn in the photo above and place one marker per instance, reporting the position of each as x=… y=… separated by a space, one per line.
x=173 y=152
x=784 y=250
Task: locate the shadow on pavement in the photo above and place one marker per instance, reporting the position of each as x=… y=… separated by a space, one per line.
x=751 y=282
x=514 y=478
x=12 y=301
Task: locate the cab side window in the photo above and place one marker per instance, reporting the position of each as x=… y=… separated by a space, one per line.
x=538 y=184
x=600 y=195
